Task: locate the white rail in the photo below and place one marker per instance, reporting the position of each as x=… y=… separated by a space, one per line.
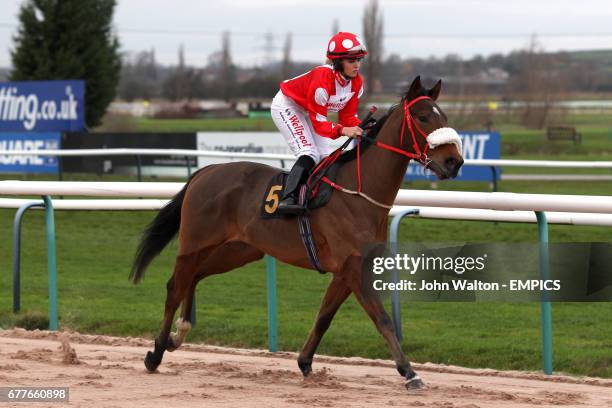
x=424 y=212
x=272 y=156
x=470 y=214
x=506 y=201
x=418 y=198
x=72 y=204
x=89 y=189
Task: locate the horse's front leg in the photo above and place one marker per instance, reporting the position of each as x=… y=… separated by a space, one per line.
x=336 y=294
x=370 y=301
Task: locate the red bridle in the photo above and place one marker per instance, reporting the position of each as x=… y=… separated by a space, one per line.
x=419 y=154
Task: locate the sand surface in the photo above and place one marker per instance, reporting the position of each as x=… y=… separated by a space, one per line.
x=105 y=371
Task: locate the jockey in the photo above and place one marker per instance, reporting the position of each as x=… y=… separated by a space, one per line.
x=300 y=108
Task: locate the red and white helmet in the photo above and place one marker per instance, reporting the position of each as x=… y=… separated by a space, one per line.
x=345 y=45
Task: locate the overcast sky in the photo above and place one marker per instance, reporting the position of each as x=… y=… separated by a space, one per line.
x=413 y=28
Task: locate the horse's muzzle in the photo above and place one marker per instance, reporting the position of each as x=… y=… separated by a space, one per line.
x=452 y=166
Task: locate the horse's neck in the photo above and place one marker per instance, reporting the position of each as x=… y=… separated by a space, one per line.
x=382 y=171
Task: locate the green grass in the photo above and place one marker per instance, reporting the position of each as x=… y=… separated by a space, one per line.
x=95 y=250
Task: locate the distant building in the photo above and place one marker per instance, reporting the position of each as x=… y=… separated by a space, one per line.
x=490 y=80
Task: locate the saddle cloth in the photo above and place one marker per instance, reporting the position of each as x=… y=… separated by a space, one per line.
x=276 y=186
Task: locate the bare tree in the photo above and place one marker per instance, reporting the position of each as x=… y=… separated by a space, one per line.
x=537 y=84
x=226 y=69
x=373 y=34
x=335 y=26
x=139 y=76
x=268 y=48
x=286 y=65
x=179 y=79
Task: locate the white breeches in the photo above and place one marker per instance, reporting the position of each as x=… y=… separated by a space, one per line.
x=295 y=126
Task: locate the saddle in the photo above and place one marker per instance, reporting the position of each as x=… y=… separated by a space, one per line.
x=317 y=193
x=314 y=193
x=314 y=198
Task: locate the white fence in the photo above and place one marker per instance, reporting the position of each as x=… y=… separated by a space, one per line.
x=272 y=156
x=442 y=213
x=417 y=198
x=482 y=203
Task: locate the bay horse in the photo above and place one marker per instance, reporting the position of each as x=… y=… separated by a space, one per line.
x=217 y=218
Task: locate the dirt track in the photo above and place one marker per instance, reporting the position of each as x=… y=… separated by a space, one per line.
x=109 y=371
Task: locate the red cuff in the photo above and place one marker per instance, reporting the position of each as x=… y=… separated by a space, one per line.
x=339 y=131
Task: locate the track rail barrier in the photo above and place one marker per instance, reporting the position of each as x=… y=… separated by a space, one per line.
x=570 y=209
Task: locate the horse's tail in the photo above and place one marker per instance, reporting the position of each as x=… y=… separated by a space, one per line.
x=158 y=234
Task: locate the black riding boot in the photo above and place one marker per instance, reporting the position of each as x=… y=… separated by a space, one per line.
x=289 y=203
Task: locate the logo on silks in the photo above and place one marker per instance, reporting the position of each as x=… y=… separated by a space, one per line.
x=476 y=146
x=298 y=130
x=42 y=106
x=30 y=142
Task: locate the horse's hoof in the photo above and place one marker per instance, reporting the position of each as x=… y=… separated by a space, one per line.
x=305 y=368
x=415 y=384
x=151 y=362
x=171 y=346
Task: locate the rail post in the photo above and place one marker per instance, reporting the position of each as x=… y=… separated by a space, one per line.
x=188 y=159
x=17 y=252
x=493 y=178
x=395 y=297
x=272 y=313
x=51 y=263
x=139 y=167
x=545 y=307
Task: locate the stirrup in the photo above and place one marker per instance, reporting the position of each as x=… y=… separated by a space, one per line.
x=290 y=205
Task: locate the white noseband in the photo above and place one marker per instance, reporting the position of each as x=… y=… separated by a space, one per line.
x=442 y=136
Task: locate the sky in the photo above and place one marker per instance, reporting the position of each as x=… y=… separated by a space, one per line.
x=412 y=28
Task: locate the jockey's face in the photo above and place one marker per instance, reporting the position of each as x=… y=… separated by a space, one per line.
x=350 y=66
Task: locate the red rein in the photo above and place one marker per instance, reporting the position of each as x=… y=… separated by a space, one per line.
x=419 y=155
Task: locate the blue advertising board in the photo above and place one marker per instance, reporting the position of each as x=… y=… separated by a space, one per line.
x=476 y=145
x=29 y=141
x=42 y=106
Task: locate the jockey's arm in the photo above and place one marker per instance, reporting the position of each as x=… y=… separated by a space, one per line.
x=349 y=118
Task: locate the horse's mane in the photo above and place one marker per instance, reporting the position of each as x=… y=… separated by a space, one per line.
x=371 y=133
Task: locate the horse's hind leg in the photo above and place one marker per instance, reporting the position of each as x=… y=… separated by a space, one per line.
x=183 y=323
x=221 y=259
x=177 y=287
x=335 y=295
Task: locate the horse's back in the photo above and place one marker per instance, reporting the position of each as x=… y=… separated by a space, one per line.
x=220 y=198
x=236 y=170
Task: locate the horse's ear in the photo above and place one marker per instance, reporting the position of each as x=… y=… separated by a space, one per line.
x=415 y=88
x=435 y=91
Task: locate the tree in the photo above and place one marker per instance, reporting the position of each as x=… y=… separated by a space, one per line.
x=180 y=75
x=537 y=82
x=70 y=39
x=373 y=34
x=226 y=74
x=335 y=26
x=139 y=76
x=286 y=64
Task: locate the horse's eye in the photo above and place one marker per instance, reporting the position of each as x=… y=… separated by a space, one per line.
x=423 y=118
